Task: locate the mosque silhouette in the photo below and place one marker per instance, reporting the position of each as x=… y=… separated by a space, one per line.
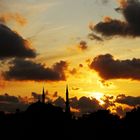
x=44 y=119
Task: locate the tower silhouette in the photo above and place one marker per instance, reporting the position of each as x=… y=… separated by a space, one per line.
x=43 y=96
x=67 y=109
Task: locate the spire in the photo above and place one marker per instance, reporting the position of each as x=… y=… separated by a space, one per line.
x=67 y=109
x=43 y=96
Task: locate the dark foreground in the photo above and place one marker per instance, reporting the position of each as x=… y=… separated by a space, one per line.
x=47 y=121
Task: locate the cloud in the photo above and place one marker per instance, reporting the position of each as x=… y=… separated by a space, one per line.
x=82 y=105
x=48 y=97
x=21 y=69
x=105 y=1
x=7 y=14
x=73 y=71
x=116 y=107
x=129 y=100
x=36 y=96
x=75 y=88
x=130 y=9
x=114 y=27
x=85 y=104
x=10 y=103
x=13 y=45
x=81 y=65
x=83 y=45
x=5 y=17
x=93 y=36
x=120 y=111
x=55 y=94
x=109 y=68
x=105 y=83
x=122 y=3
x=102 y=1
x=59 y=102
x=108 y=101
x=7 y=98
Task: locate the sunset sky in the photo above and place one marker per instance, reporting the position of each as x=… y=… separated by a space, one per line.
x=91 y=45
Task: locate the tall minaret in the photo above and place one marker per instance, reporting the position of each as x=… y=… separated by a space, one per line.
x=43 y=96
x=67 y=109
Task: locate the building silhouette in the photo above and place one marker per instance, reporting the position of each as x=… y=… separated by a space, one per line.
x=43 y=96
x=67 y=108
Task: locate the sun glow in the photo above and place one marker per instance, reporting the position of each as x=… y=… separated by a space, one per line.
x=98 y=96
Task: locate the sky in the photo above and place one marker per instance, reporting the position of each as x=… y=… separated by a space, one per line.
x=91 y=45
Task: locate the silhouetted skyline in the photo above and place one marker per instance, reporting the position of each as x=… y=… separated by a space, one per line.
x=119 y=105
x=42 y=117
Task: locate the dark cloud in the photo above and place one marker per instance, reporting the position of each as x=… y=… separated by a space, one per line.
x=85 y=104
x=83 y=45
x=75 y=88
x=80 y=65
x=130 y=9
x=114 y=27
x=108 y=101
x=105 y=83
x=120 y=111
x=10 y=103
x=8 y=98
x=93 y=36
x=111 y=103
x=59 y=102
x=21 y=69
x=36 y=96
x=60 y=68
x=13 y=45
x=129 y=100
x=12 y=107
x=109 y=68
x=55 y=94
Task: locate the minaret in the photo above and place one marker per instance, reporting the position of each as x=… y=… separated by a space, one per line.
x=67 y=109
x=43 y=96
